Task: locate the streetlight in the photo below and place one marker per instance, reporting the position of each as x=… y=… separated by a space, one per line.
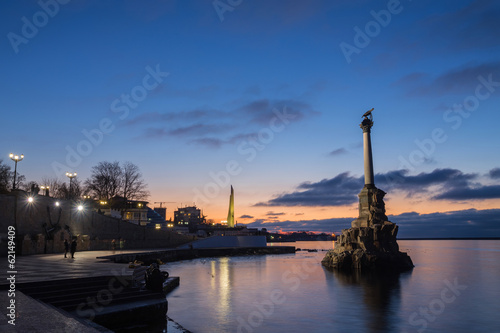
x=15 y=158
x=45 y=190
x=70 y=175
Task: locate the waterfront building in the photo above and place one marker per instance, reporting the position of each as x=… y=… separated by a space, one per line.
x=190 y=216
x=162 y=211
x=133 y=211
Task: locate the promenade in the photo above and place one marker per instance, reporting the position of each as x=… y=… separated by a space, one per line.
x=34 y=316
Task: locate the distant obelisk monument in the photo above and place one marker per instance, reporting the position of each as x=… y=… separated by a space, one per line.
x=230 y=213
x=370 y=243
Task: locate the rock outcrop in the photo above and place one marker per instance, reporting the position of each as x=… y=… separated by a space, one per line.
x=370 y=244
x=367 y=249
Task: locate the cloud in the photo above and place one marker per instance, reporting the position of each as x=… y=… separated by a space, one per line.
x=463 y=223
x=215 y=128
x=467 y=193
x=343 y=189
x=196 y=129
x=400 y=180
x=326 y=225
x=213 y=142
x=246 y=217
x=170 y=117
x=461 y=80
x=338 y=191
x=262 y=111
x=339 y=151
x=464 y=79
x=474 y=24
x=458 y=224
x=410 y=79
x=494 y=173
x=275 y=214
x=253 y=90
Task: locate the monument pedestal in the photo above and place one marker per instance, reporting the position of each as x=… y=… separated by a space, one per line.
x=370 y=243
x=371 y=207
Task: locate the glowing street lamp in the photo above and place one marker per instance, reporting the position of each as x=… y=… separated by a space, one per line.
x=70 y=175
x=15 y=158
x=45 y=190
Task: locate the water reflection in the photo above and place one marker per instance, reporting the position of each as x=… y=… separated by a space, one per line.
x=221 y=285
x=381 y=295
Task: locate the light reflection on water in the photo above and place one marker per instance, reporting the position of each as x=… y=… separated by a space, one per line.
x=294 y=293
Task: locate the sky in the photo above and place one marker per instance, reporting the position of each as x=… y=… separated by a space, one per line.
x=266 y=96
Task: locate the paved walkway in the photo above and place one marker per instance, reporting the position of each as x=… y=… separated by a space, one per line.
x=41 y=267
x=33 y=316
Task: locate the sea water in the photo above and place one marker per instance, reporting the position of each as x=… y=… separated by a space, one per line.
x=454 y=287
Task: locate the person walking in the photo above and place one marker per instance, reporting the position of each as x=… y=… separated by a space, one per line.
x=73 y=248
x=66 y=248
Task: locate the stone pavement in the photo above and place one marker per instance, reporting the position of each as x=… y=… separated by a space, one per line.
x=41 y=267
x=34 y=316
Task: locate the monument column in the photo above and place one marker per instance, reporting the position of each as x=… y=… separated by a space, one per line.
x=366 y=125
x=369 y=194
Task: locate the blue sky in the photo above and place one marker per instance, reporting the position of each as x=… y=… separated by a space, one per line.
x=264 y=95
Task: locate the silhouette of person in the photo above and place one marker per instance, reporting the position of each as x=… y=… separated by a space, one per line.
x=66 y=247
x=113 y=245
x=73 y=248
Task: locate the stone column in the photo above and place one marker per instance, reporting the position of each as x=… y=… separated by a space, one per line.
x=366 y=125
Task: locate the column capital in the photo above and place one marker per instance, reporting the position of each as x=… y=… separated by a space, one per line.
x=366 y=125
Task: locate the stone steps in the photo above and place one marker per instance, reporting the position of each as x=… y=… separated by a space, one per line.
x=110 y=301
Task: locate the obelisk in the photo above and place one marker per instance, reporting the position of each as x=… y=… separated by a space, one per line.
x=230 y=213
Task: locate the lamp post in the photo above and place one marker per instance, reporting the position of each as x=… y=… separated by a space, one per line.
x=45 y=190
x=15 y=158
x=70 y=175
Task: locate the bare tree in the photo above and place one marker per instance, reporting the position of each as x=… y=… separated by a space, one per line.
x=76 y=190
x=20 y=179
x=55 y=186
x=5 y=175
x=105 y=181
x=134 y=187
x=110 y=179
x=32 y=187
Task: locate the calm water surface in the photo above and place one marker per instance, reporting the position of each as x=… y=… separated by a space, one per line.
x=454 y=287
